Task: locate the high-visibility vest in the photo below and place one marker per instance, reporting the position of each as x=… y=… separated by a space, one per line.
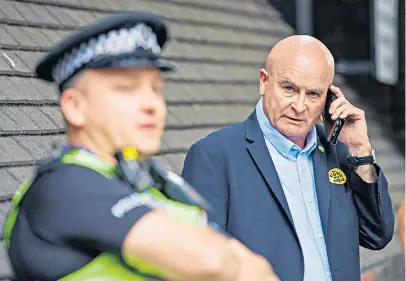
x=106 y=266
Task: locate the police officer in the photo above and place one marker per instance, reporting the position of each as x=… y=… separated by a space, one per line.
x=79 y=218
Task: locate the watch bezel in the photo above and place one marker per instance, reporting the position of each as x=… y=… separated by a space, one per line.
x=373 y=156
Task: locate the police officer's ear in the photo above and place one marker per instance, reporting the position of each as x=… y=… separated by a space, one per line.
x=73 y=107
x=263 y=80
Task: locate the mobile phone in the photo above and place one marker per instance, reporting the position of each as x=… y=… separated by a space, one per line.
x=332 y=127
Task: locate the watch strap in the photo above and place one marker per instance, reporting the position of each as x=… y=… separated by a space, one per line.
x=355 y=161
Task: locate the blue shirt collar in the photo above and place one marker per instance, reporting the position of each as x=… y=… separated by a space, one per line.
x=284 y=146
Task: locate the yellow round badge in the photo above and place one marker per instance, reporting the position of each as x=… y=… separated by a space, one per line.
x=337 y=176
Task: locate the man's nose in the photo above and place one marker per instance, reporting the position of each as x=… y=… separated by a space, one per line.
x=151 y=102
x=299 y=104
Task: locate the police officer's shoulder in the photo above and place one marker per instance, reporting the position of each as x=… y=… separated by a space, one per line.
x=121 y=40
x=70 y=181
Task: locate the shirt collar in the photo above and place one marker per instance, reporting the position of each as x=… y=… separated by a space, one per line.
x=283 y=145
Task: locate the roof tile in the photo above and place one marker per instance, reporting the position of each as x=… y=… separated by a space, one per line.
x=48 y=142
x=28 y=14
x=183 y=139
x=30 y=58
x=52 y=35
x=81 y=17
x=42 y=12
x=39 y=37
x=14 y=150
x=4 y=157
x=171 y=119
x=14 y=62
x=21 y=173
x=32 y=145
x=218 y=53
x=63 y=17
x=4 y=62
x=3 y=15
x=40 y=119
x=20 y=118
x=54 y=114
x=7 y=125
x=25 y=89
x=217 y=72
x=6 y=38
x=10 y=11
x=47 y=90
x=8 y=185
x=9 y=91
x=175 y=92
x=20 y=35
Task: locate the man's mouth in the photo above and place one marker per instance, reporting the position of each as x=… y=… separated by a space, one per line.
x=148 y=126
x=296 y=120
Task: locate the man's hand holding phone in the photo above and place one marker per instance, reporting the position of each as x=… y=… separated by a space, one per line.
x=354 y=133
x=333 y=127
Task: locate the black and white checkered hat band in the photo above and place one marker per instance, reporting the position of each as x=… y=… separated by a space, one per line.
x=115 y=42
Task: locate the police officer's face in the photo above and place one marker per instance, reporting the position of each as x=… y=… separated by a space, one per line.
x=124 y=108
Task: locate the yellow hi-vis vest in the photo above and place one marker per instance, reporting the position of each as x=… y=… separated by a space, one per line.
x=106 y=266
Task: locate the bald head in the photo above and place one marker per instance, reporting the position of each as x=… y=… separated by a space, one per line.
x=301 y=50
x=299 y=71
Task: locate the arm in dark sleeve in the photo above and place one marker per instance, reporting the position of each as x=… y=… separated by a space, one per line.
x=204 y=172
x=81 y=208
x=373 y=203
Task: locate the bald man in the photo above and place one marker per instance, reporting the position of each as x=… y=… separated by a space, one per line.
x=276 y=183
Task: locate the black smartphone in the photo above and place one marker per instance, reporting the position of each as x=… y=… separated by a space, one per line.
x=333 y=127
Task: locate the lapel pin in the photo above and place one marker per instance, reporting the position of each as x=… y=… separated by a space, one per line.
x=321 y=149
x=337 y=176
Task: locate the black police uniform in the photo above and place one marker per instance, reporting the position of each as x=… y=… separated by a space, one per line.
x=65 y=219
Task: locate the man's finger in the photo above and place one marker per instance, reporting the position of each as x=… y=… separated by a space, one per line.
x=340 y=110
x=335 y=105
x=347 y=112
x=337 y=91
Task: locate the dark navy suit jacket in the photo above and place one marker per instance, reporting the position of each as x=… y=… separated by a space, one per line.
x=233 y=169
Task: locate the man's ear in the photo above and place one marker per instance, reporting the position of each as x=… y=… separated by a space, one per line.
x=73 y=105
x=263 y=80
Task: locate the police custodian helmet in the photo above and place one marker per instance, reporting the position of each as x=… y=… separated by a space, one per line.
x=125 y=40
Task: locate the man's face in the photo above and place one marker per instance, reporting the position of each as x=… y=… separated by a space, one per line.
x=294 y=94
x=123 y=108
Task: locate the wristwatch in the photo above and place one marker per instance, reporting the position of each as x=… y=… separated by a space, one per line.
x=355 y=161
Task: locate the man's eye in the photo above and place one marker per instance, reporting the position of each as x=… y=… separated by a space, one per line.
x=314 y=94
x=288 y=88
x=124 y=87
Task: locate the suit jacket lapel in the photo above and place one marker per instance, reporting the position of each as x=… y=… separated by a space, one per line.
x=322 y=183
x=259 y=152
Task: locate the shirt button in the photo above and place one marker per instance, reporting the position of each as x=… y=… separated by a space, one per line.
x=320 y=236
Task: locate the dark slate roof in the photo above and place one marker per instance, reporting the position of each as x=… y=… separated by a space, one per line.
x=218 y=49
x=218 y=45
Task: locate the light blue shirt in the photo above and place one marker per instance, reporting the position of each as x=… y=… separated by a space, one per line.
x=295 y=171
